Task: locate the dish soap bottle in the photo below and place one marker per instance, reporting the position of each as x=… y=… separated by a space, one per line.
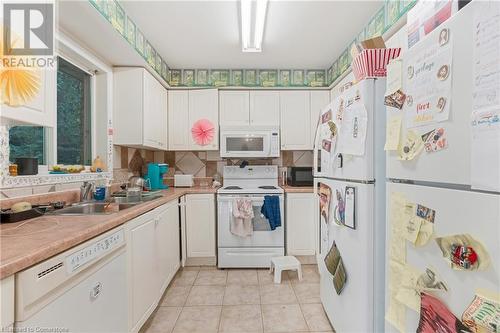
x=97 y=165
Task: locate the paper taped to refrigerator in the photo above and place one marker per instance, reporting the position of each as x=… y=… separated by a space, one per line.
x=397 y=242
x=485 y=149
x=436 y=317
x=393 y=132
x=486 y=81
x=483 y=313
x=394 y=80
x=428 y=78
x=463 y=252
x=352 y=132
x=396 y=311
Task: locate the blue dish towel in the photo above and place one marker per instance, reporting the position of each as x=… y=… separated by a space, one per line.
x=271 y=210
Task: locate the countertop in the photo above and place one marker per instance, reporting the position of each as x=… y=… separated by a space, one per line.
x=297 y=189
x=29 y=242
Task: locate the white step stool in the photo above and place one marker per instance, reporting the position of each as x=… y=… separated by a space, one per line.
x=285 y=263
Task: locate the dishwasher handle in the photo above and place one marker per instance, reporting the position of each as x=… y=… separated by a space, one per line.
x=95 y=291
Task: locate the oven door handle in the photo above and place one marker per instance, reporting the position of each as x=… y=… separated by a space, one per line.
x=253 y=198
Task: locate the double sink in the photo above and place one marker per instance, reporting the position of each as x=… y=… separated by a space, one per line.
x=103 y=207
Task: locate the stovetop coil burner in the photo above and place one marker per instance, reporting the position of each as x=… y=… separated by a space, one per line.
x=232 y=188
x=268 y=187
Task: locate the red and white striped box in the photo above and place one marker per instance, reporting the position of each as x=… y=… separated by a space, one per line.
x=372 y=62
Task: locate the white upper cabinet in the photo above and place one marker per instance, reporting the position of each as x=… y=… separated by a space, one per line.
x=139 y=109
x=295 y=119
x=155 y=117
x=204 y=104
x=186 y=107
x=41 y=110
x=243 y=108
x=234 y=108
x=178 y=120
x=319 y=99
x=265 y=108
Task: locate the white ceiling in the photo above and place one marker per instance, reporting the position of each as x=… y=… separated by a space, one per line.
x=206 y=34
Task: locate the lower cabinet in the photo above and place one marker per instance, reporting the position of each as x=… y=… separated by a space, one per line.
x=153 y=259
x=301 y=224
x=200 y=229
x=7 y=304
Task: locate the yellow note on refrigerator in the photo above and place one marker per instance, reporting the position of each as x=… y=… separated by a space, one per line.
x=394 y=80
x=393 y=132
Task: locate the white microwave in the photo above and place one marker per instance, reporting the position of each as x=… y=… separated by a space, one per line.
x=249 y=141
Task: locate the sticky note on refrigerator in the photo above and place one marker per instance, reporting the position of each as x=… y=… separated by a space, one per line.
x=394 y=76
x=393 y=132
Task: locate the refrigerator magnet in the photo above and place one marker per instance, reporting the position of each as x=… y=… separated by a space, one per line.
x=339 y=161
x=350 y=204
x=339 y=214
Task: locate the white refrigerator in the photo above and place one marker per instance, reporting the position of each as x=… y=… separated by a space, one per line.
x=359 y=307
x=441 y=180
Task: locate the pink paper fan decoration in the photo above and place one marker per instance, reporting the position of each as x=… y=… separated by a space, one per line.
x=203 y=132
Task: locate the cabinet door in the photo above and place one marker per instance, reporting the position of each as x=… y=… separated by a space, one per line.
x=295 y=121
x=144 y=269
x=204 y=104
x=179 y=131
x=265 y=108
x=162 y=116
x=300 y=224
x=167 y=245
x=41 y=110
x=234 y=108
x=7 y=302
x=174 y=258
x=200 y=225
x=154 y=116
x=319 y=99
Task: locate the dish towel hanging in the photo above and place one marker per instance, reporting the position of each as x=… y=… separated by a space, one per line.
x=271 y=210
x=241 y=225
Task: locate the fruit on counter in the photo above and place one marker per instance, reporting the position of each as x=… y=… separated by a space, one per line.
x=75 y=168
x=68 y=168
x=20 y=207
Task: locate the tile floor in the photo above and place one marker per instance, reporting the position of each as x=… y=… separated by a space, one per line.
x=205 y=299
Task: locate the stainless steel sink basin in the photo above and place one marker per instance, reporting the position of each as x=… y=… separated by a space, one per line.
x=98 y=207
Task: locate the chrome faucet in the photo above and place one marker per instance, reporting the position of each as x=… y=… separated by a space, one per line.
x=86 y=191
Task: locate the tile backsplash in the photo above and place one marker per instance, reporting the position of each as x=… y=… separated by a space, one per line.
x=197 y=163
x=130 y=161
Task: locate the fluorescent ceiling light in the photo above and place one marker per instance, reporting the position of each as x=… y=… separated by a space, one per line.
x=253 y=19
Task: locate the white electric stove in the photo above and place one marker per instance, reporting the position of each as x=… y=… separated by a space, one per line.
x=254 y=183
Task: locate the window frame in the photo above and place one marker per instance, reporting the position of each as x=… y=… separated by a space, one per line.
x=52 y=135
x=101 y=82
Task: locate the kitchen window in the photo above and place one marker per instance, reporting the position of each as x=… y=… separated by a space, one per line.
x=74 y=140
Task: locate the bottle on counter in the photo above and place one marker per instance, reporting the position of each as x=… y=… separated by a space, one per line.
x=97 y=165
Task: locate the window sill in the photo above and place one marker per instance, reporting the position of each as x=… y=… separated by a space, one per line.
x=50 y=179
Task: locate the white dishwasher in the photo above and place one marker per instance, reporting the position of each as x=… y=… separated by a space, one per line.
x=81 y=290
